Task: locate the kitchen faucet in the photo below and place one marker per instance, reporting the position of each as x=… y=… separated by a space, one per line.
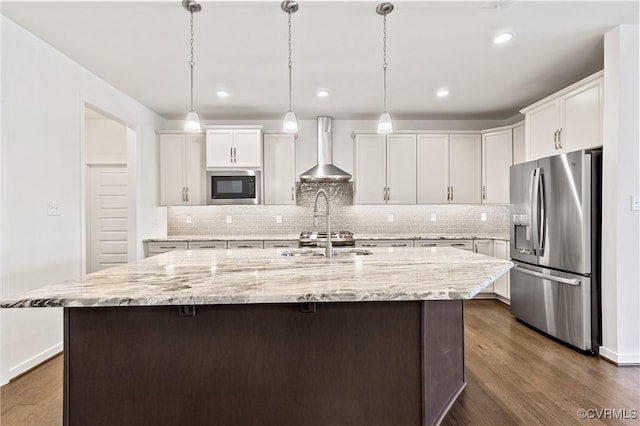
x=329 y=247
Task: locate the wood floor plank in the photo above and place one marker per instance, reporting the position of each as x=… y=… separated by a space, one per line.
x=515 y=376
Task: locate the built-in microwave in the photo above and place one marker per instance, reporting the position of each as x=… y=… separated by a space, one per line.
x=234 y=187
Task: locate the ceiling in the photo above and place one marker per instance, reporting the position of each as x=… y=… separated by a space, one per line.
x=142 y=48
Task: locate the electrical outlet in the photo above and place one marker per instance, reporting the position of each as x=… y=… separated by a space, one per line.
x=433 y=217
x=390 y=217
x=188 y=218
x=229 y=218
x=635 y=203
x=483 y=217
x=278 y=218
x=53 y=208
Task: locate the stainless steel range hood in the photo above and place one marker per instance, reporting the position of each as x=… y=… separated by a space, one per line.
x=325 y=171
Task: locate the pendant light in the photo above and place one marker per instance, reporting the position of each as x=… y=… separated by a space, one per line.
x=385 y=124
x=290 y=122
x=192 y=120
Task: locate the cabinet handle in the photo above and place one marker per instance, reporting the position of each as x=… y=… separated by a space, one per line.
x=206 y=247
x=560 y=138
x=369 y=245
x=399 y=245
x=187 y=194
x=245 y=246
x=428 y=245
x=168 y=247
x=458 y=244
x=184 y=198
x=384 y=193
x=448 y=193
x=452 y=193
x=293 y=193
x=484 y=192
x=280 y=245
x=388 y=194
x=231 y=155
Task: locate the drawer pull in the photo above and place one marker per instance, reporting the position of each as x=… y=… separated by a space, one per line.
x=203 y=247
x=280 y=245
x=428 y=245
x=369 y=245
x=245 y=246
x=459 y=244
x=399 y=245
x=168 y=247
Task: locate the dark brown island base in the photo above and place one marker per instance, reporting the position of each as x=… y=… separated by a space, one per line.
x=360 y=363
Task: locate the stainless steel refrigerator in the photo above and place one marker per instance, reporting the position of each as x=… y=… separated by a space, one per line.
x=555 y=243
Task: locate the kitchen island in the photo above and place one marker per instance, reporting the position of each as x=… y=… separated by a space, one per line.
x=254 y=337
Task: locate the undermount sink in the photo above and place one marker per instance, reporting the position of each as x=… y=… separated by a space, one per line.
x=321 y=252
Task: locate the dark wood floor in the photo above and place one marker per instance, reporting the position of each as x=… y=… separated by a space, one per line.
x=515 y=377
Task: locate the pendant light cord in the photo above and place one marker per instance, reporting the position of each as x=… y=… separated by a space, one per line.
x=290 y=62
x=384 y=64
x=191 y=63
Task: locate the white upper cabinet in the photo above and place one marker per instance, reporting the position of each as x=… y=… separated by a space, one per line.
x=496 y=160
x=230 y=147
x=465 y=168
x=566 y=121
x=433 y=169
x=279 y=169
x=182 y=169
x=519 y=146
x=385 y=169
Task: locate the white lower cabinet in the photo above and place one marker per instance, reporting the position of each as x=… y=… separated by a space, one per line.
x=159 y=247
x=384 y=243
x=245 y=244
x=207 y=245
x=501 y=285
x=281 y=244
x=459 y=244
x=484 y=247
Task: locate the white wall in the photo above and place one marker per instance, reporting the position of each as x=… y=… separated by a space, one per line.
x=306 y=144
x=43 y=93
x=621 y=180
x=106 y=141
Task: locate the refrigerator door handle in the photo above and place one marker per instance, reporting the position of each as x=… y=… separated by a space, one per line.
x=542 y=213
x=569 y=281
x=535 y=188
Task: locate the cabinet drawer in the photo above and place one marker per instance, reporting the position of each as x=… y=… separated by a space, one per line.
x=199 y=245
x=163 y=247
x=384 y=243
x=244 y=244
x=461 y=244
x=281 y=244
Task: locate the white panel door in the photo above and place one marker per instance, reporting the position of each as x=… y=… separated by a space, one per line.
x=581 y=118
x=401 y=169
x=496 y=160
x=433 y=169
x=195 y=169
x=172 y=187
x=108 y=217
x=220 y=148
x=279 y=169
x=519 y=152
x=541 y=124
x=501 y=285
x=370 y=169
x=465 y=174
x=248 y=147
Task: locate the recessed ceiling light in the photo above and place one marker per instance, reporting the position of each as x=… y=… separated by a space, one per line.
x=222 y=93
x=442 y=93
x=323 y=93
x=503 y=38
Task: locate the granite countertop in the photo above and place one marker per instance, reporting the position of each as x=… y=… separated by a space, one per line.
x=200 y=277
x=267 y=237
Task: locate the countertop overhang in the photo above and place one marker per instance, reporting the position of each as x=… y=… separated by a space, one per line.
x=255 y=276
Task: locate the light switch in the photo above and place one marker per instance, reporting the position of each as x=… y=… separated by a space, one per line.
x=635 y=203
x=53 y=208
x=188 y=218
x=390 y=217
x=483 y=217
x=229 y=219
x=278 y=218
x=433 y=217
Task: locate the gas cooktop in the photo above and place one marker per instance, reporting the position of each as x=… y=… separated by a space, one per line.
x=317 y=239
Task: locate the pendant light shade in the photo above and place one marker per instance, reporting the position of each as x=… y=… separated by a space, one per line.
x=192 y=120
x=385 y=125
x=290 y=122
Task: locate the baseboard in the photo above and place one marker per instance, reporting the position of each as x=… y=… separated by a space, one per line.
x=503 y=300
x=33 y=362
x=620 y=359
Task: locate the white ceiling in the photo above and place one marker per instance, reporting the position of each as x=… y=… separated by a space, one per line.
x=142 y=49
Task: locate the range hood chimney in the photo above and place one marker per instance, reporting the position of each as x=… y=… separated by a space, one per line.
x=325 y=171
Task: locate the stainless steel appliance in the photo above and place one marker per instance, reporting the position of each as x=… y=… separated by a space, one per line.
x=234 y=187
x=325 y=170
x=555 y=243
x=319 y=239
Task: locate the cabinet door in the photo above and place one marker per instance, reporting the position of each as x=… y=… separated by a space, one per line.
x=172 y=178
x=581 y=117
x=496 y=160
x=370 y=169
x=541 y=126
x=465 y=173
x=401 y=169
x=279 y=169
x=248 y=148
x=484 y=247
x=433 y=169
x=219 y=148
x=195 y=169
x=501 y=285
x=519 y=152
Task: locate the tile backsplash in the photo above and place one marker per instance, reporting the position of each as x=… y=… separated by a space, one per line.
x=359 y=219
